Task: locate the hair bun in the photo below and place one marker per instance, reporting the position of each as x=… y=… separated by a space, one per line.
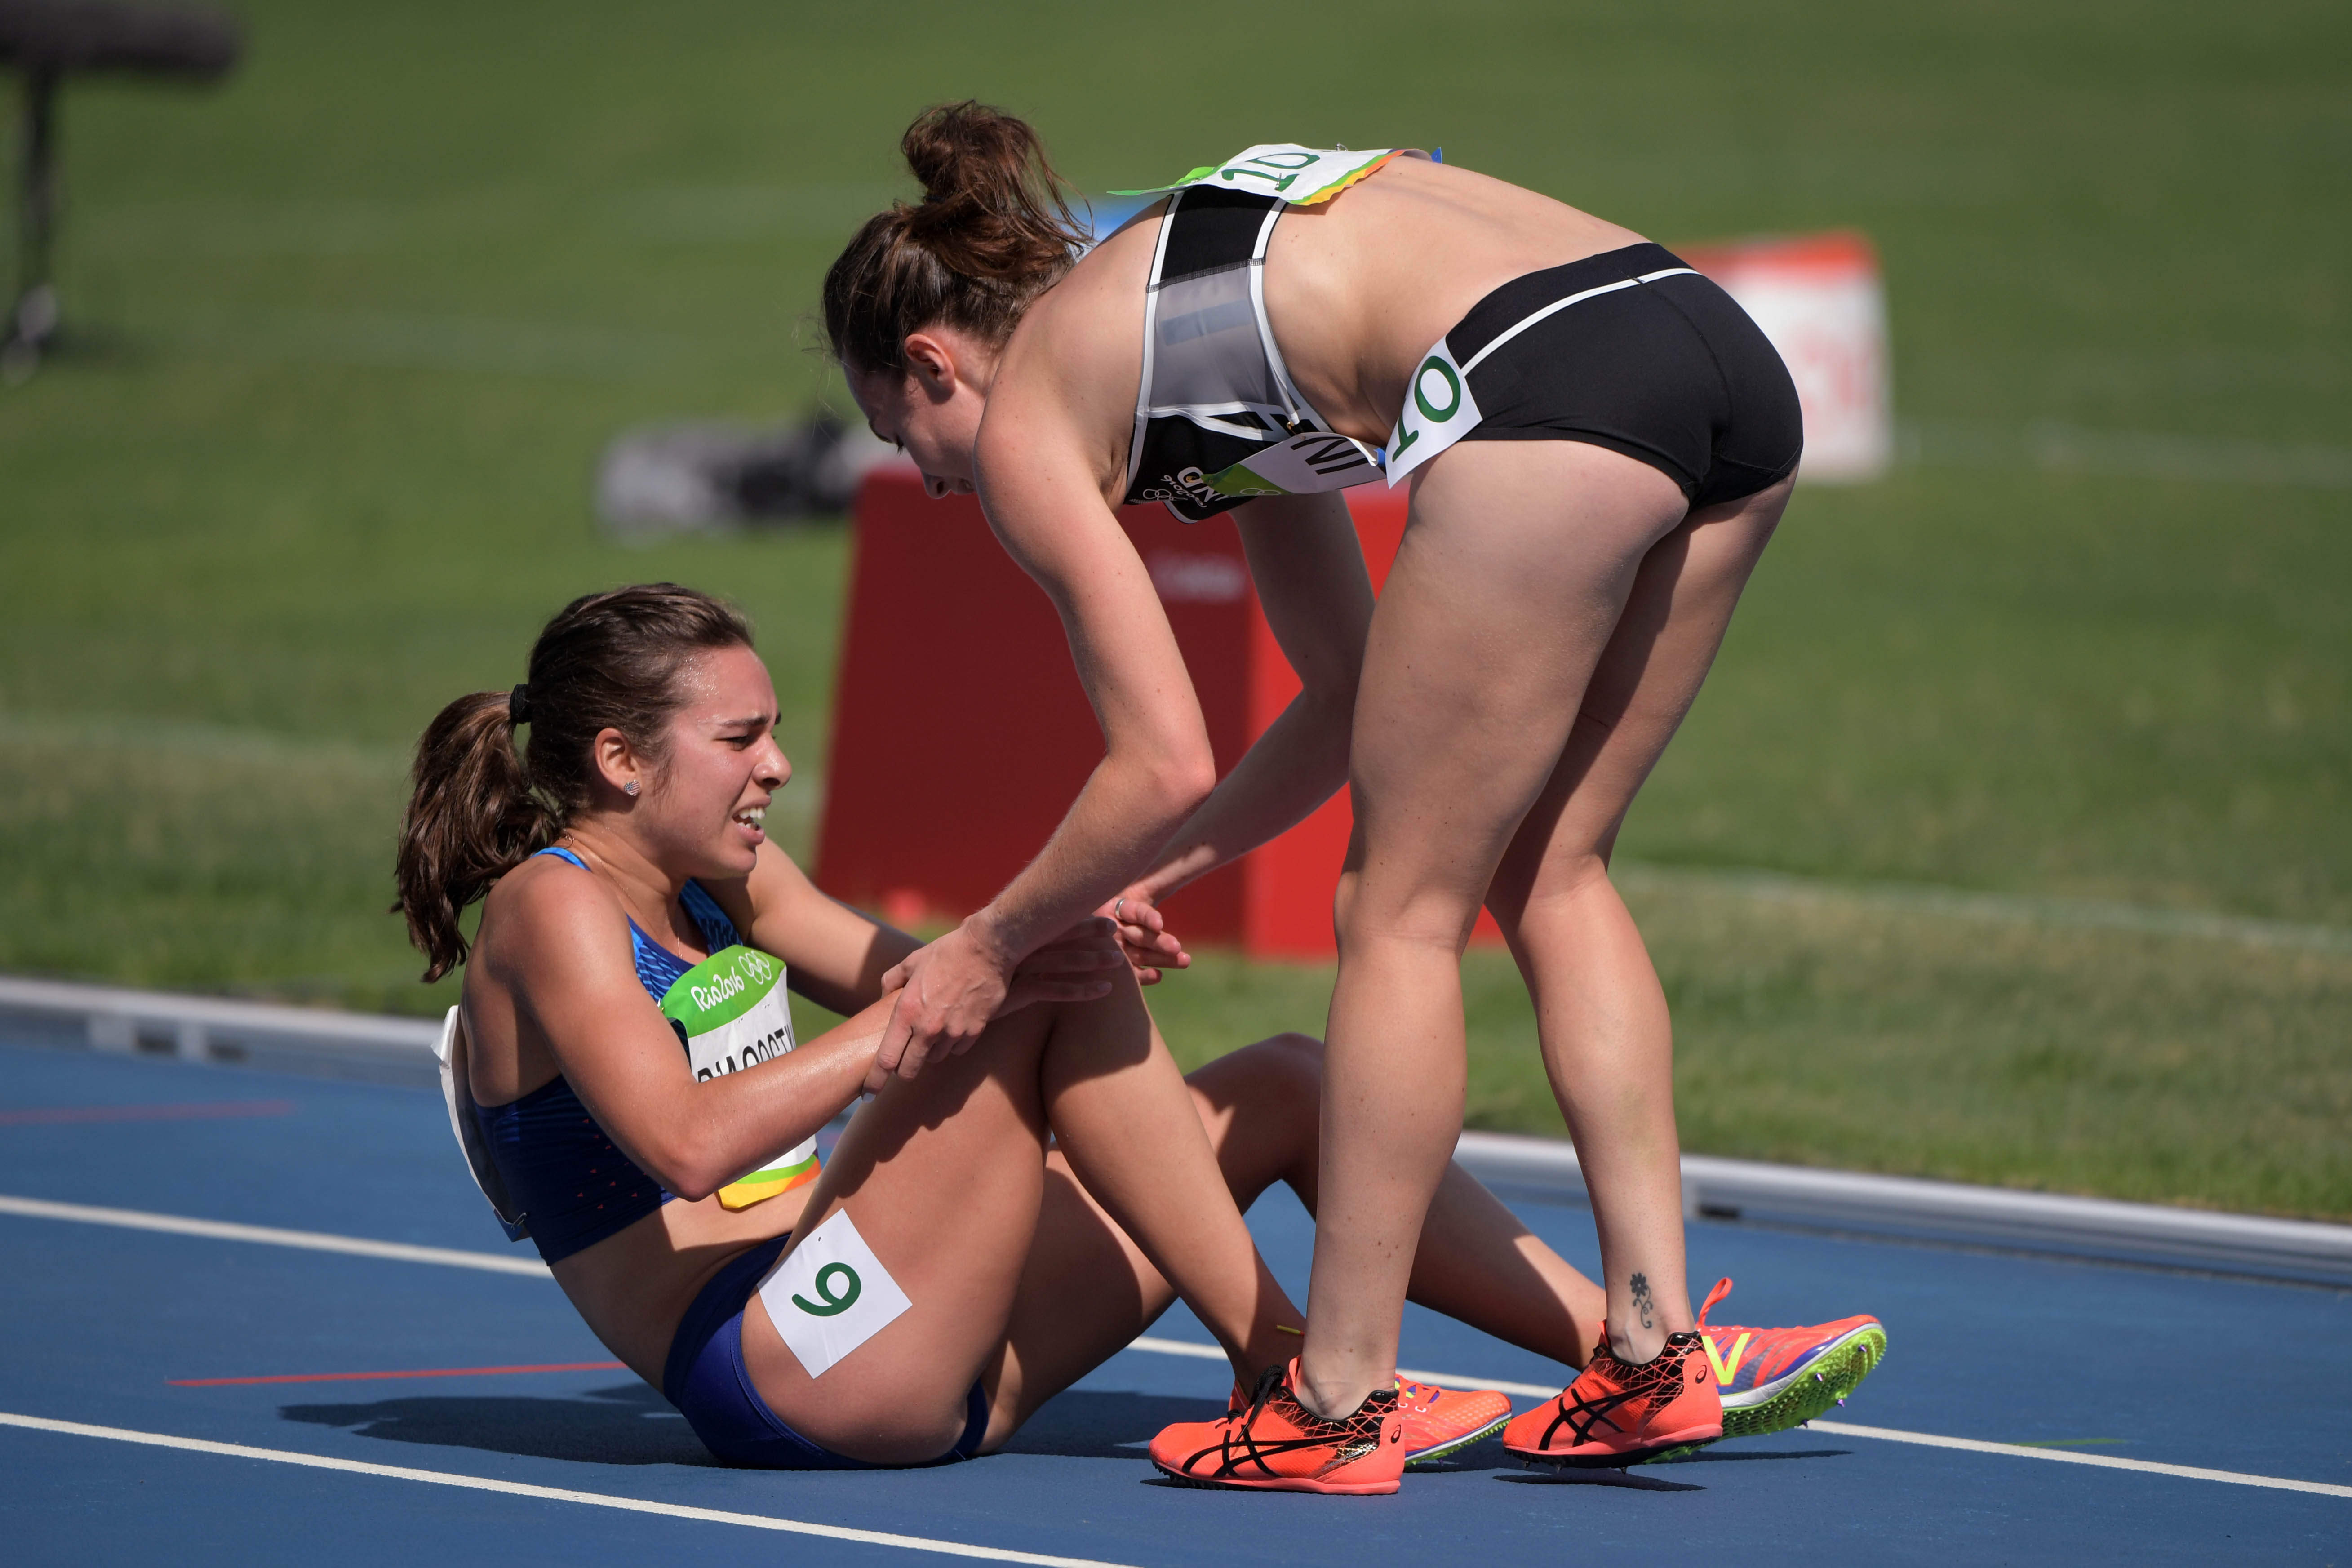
x=953 y=149
x=995 y=230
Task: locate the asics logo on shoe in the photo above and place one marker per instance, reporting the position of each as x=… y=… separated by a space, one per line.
x=1586 y=1414
x=1272 y=1442
x=1242 y=1448
x=1345 y=1440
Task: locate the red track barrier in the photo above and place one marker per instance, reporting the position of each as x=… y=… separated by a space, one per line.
x=960 y=735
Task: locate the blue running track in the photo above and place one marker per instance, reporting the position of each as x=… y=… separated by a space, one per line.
x=105 y=1453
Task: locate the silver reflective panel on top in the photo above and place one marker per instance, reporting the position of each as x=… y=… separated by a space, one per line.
x=1206 y=358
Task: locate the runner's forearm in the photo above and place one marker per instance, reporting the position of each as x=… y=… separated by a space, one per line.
x=1298 y=764
x=712 y=1132
x=1113 y=830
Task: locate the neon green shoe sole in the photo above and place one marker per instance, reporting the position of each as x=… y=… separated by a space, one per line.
x=1815 y=1389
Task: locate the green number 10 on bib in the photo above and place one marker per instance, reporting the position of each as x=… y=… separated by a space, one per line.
x=730 y=1010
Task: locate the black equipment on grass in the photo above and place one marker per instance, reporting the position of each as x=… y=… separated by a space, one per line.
x=48 y=40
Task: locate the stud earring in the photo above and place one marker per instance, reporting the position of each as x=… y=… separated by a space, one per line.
x=629 y=788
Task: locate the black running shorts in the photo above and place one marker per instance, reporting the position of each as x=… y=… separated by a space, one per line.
x=1671 y=372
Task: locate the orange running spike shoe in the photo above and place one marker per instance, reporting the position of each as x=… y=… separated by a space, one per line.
x=1441 y=1421
x=1277 y=1443
x=1773 y=1379
x=1437 y=1421
x=1616 y=1415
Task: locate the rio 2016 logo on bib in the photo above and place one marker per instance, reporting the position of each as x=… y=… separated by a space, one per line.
x=730 y=1010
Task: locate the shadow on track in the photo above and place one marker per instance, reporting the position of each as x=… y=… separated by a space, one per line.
x=1650 y=1478
x=1626 y=1478
x=1081 y=1424
x=627 y=1423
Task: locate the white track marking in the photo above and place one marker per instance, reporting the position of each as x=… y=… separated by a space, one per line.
x=447 y=1256
x=1176 y=1347
x=2059 y=1455
x=1842 y=1429
x=309 y=1240
x=549 y=1494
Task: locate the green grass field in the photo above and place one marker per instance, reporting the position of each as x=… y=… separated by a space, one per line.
x=357 y=325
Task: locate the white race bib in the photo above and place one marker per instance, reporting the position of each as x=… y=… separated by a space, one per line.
x=1301 y=176
x=830 y=1295
x=1303 y=465
x=1438 y=411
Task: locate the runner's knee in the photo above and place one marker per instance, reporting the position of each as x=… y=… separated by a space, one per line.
x=1292 y=1069
x=1281 y=1072
x=1431 y=919
x=1557 y=886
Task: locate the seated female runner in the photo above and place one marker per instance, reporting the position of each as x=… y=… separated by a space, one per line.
x=992 y=1224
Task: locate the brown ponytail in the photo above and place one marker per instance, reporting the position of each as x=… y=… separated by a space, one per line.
x=995 y=230
x=608 y=661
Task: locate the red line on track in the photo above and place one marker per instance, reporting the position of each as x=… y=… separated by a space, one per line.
x=373 y=1376
x=194 y=1112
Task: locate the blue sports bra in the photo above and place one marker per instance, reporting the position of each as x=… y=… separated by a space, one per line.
x=572 y=1183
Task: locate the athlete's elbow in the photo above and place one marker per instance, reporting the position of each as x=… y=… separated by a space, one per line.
x=1165 y=780
x=683 y=1171
x=695 y=1184
x=1182 y=781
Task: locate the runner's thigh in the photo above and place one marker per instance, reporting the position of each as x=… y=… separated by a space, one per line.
x=1646 y=679
x=941 y=1175
x=1510 y=580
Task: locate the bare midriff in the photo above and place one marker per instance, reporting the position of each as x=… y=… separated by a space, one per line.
x=633 y=1286
x=1357 y=290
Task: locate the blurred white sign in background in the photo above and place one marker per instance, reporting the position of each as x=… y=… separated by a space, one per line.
x=1819 y=299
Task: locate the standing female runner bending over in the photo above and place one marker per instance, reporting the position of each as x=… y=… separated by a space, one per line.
x=1600 y=443
x=635 y=918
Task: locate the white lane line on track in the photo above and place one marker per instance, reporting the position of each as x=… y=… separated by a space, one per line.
x=320 y=1241
x=2059 y=1455
x=1844 y=1429
x=1176 y=1347
x=309 y=1240
x=550 y=1494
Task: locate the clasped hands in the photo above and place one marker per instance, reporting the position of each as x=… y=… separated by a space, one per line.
x=950 y=990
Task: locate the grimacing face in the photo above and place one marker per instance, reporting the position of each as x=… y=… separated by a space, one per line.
x=706 y=809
